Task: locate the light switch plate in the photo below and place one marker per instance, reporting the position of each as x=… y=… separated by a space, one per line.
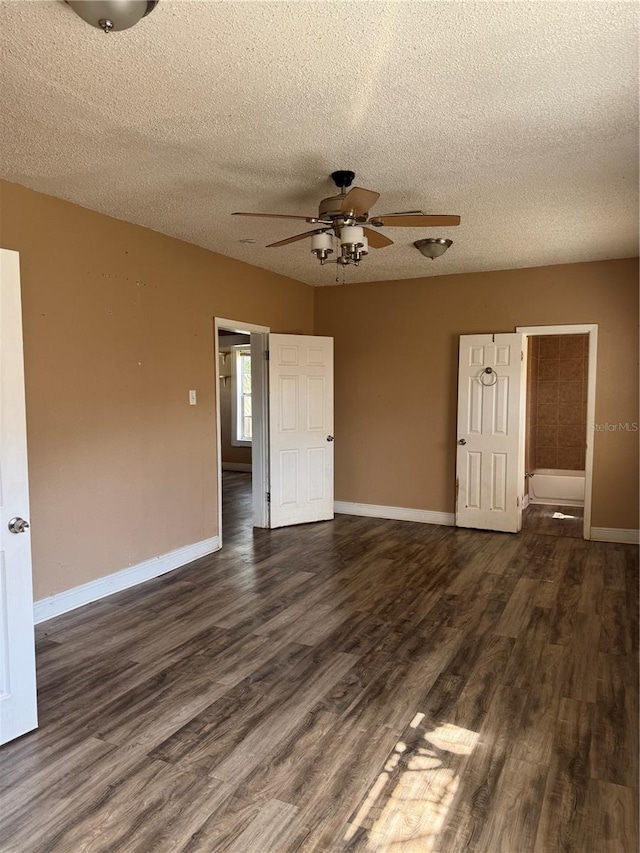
x=192 y=397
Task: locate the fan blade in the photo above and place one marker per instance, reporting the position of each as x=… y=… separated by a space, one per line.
x=376 y=239
x=293 y=239
x=282 y=216
x=415 y=221
x=359 y=201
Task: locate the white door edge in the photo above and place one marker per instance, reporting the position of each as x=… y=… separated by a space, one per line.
x=18 y=697
x=260 y=437
x=590 y=329
x=260 y=445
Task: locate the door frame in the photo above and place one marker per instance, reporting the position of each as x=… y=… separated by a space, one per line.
x=590 y=329
x=260 y=405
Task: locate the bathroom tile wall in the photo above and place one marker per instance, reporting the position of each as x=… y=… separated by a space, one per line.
x=560 y=424
x=532 y=406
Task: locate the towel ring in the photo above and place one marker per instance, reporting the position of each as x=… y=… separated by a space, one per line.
x=490 y=372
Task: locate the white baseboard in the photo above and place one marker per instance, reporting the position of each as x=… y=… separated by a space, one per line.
x=62 y=602
x=525 y=501
x=236 y=466
x=615 y=534
x=396 y=513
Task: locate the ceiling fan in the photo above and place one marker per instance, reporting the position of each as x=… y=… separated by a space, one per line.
x=345 y=217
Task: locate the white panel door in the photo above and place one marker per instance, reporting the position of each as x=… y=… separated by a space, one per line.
x=18 y=712
x=300 y=429
x=490 y=449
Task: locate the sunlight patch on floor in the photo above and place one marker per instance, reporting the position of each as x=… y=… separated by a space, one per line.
x=407 y=806
x=453 y=739
x=562 y=515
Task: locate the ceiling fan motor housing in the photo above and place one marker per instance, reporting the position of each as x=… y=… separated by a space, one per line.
x=331 y=208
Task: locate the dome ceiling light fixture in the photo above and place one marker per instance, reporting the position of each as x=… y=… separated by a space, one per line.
x=112 y=15
x=344 y=225
x=433 y=247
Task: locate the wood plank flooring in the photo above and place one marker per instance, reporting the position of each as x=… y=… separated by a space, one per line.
x=359 y=685
x=554 y=520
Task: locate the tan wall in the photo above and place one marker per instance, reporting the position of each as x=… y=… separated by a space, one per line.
x=396 y=348
x=118 y=326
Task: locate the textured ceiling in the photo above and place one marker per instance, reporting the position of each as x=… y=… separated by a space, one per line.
x=519 y=116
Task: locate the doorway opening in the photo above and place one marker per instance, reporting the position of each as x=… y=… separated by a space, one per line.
x=241 y=425
x=558 y=454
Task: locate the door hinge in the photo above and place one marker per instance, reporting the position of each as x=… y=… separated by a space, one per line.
x=266 y=355
x=521 y=355
x=268 y=497
x=518 y=501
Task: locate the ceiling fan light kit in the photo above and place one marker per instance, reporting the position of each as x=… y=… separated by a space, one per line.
x=112 y=15
x=345 y=217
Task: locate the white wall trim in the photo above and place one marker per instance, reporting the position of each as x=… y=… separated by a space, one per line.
x=615 y=534
x=397 y=513
x=62 y=602
x=567 y=329
x=424 y=516
x=236 y=466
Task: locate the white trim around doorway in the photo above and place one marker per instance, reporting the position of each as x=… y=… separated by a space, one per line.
x=260 y=403
x=590 y=329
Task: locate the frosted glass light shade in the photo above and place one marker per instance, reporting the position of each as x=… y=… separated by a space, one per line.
x=351 y=235
x=322 y=242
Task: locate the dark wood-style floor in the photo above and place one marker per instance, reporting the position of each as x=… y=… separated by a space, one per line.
x=554 y=520
x=356 y=685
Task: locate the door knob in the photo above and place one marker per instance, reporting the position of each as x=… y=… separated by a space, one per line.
x=18 y=525
x=329 y=438
x=462 y=441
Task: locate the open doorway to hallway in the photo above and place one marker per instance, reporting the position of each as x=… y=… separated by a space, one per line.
x=286 y=414
x=234 y=374
x=241 y=425
x=236 y=429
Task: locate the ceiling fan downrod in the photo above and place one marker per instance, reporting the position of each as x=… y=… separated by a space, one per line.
x=343 y=178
